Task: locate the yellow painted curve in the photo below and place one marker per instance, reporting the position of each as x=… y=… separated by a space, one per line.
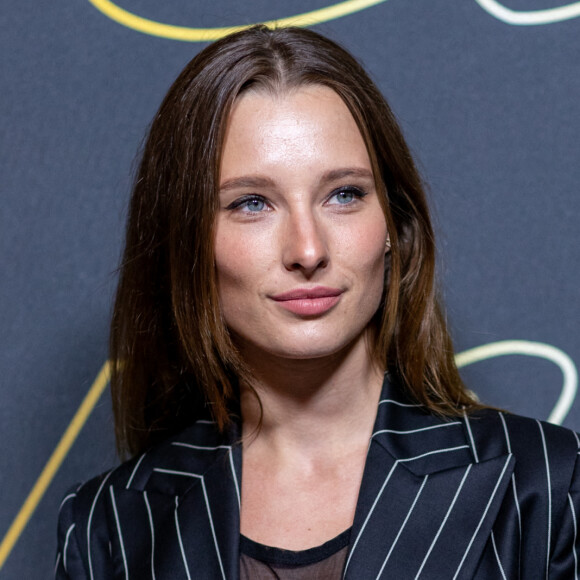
x=54 y=463
x=187 y=34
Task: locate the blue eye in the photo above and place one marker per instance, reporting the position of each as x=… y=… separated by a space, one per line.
x=248 y=204
x=346 y=195
x=254 y=204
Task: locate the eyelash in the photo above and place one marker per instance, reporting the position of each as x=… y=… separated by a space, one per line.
x=242 y=202
x=357 y=192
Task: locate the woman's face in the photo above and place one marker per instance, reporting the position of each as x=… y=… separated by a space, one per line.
x=300 y=236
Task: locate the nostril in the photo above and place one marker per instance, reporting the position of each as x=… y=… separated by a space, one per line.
x=309 y=267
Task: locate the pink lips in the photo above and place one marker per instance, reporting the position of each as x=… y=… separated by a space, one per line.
x=309 y=301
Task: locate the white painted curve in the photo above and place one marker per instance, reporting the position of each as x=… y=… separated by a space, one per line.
x=537 y=349
x=530 y=17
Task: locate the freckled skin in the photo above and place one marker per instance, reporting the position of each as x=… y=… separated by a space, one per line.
x=300 y=233
x=299 y=210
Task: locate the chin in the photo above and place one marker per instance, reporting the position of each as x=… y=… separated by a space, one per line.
x=314 y=348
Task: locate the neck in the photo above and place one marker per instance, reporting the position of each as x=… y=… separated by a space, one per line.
x=312 y=403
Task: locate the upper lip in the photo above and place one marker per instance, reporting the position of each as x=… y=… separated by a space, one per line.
x=305 y=293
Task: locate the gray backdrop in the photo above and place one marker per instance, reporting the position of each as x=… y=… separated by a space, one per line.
x=490 y=106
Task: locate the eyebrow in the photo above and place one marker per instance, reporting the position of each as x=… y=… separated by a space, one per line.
x=257 y=181
x=336 y=174
x=249 y=181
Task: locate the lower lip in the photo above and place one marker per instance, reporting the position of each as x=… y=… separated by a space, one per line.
x=310 y=306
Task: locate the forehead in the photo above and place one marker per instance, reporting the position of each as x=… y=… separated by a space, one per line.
x=306 y=126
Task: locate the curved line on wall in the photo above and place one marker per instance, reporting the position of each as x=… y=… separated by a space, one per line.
x=54 y=462
x=537 y=349
x=184 y=33
x=530 y=17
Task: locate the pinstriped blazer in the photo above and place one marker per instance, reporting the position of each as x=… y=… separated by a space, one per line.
x=489 y=496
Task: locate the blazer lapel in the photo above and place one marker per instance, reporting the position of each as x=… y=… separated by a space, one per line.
x=182 y=521
x=426 y=504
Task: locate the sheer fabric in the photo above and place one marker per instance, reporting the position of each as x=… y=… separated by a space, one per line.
x=325 y=562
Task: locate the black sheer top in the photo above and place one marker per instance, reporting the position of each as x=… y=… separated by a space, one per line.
x=325 y=562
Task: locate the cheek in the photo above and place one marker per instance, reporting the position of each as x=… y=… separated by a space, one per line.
x=232 y=273
x=365 y=247
x=232 y=280
x=241 y=260
x=367 y=259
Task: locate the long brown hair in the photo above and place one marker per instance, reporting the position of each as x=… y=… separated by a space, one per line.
x=172 y=357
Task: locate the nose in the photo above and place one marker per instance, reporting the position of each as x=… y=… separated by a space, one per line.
x=305 y=246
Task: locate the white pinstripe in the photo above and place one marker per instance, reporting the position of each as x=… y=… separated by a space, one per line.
x=446 y=450
x=135 y=470
x=57 y=563
x=497 y=555
x=180 y=540
x=152 y=534
x=468 y=425
x=394 y=431
x=398 y=403
x=509 y=447
x=175 y=472
x=461 y=483
x=207 y=506
x=505 y=430
x=65 y=499
x=517 y=501
x=200 y=447
x=213 y=529
x=549 y=497
x=68 y=533
x=58 y=556
x=402 y=526
x=235 y=477
x=575 y=534
x=90 y=521
x=369 y=515
x=483 y=516
x=122 y=544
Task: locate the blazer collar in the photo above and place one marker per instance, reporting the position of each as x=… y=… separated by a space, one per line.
x=428 y=497
x=427 y=501
x=422 y=442
x=182 y=498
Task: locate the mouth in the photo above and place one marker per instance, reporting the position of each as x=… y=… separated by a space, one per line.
x=309 y=301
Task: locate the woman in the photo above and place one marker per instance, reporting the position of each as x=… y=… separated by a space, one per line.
x=276 y=290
